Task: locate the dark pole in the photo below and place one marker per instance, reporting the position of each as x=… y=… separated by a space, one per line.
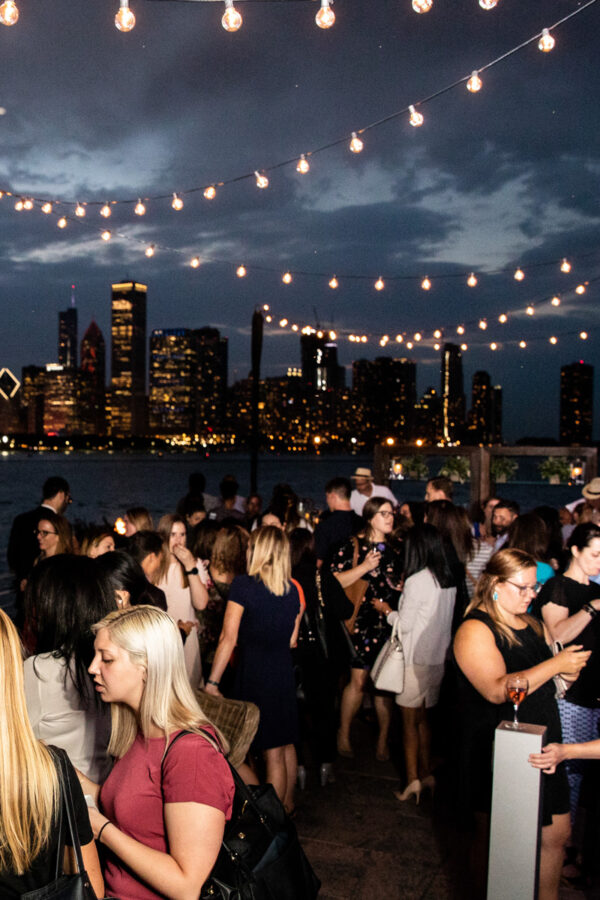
x=257 y=335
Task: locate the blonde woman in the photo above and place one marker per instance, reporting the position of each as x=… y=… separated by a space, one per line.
x=262 y=617
x=29 y=787
x=137 y=518
x=162 y=810
x=97 y=542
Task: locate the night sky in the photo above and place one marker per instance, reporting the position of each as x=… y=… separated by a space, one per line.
x=505 y=177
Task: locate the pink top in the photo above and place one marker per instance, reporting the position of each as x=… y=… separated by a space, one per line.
x=132 y=798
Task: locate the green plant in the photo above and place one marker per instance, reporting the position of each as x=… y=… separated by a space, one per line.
x=415 y=467
x=555 y=466
x=501 y=467
x=457 y=468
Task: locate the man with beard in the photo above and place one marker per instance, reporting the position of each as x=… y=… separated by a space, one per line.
x=504 y=514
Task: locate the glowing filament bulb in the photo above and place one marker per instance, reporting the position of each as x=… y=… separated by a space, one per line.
x=422 y=6
x=522 y=344
x=303 y=166
x=356 y=144
x=232 y=19
x=294 y=327
x=436 y=346
x=195 y=262
x=426 y=284
x=553 y=340
x=472 y=280
x=482 y=324
x=332 y=335
x=399 y=338
x=47 y=208
x=28 y=203
x=583 y=335
x=565 y=265
x=241 y=271
x=379 y=284
x=262 y=181
x=19 y=205
x=140 y=209
x=580 y=289
x=437 y=334
x=364 y=339
x=555 y=301
x=268 y=319
x=80 y=211
x=409 y=345
x=9 y=13
x=333 y=283
x=283 y=323
x=210 y=192
x=418 y=336
x=149 y=250
x=502 y=318
x=62 y=222
x=287 y=277
x=474 y=83
x=488 y=4
x=416 y=118
x=460 y=329
x=546 y=42
x=530 y=310
x=325 y=16
x=106 y=235
x=105 y=211
x=519 y=274
x=493 y=346
x=266 y=307
x=464 y=347
x=124 y=19
x=177 y=202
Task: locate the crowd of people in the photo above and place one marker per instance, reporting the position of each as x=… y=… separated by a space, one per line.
x=125 y=633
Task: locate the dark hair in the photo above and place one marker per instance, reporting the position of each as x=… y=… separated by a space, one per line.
x=191 y=504
x=442 y=483
x=228 y=487
x=417 y=510
x=284 y=505
x=204 y=537
x=583 y=535
x=143 y=543
x=121 y=572
x=229 y=549
x=302 y=547
x=424 y=549
x=63 y=599
x=529 y=533
x=340 y=486
x=196 y=483
x=53 y=486
x=453 y=524
x=372 y=507
x=551 y=520
x=62 y=527
x=511 y=505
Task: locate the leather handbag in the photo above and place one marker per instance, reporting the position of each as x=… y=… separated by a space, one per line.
x=355 y=592
x=65 y=887
x=387 y=673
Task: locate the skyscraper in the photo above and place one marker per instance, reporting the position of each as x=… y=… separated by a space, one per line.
x=481 y=409
x=67 y=336
x=576 y=403
x=93 y=367
x=211 y=378
x=320 y=368
x=127 y=402
x=173 y=366
x=453 y=397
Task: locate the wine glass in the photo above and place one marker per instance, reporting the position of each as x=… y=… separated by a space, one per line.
x=516 y=688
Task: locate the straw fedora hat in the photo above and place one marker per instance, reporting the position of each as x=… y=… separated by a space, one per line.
x=591 y=491
x=366 y=473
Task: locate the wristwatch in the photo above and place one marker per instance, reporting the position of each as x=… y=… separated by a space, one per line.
x=193 y=571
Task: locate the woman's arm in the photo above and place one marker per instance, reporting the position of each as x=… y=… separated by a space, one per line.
x=370 y=562
x=227 y=641
x=88 y=786
x=91 y=864
x=553 y=754
x=482 y=663
x=561 y=625
x=198 y=592
x=194 y=833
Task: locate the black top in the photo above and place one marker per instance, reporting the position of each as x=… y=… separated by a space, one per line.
x=43 y=869
x=335 y=529
x=567 y=592
x=23 y=547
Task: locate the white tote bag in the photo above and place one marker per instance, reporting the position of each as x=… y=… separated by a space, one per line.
x=387 y=673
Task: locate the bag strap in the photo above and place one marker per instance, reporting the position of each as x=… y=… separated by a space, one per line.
x=68 y=800
x=60 y=850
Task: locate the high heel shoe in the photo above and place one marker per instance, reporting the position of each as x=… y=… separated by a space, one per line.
x=413 y=788
x=343 y=748
x=301 y=777
x=326 y=774
x=428 y=783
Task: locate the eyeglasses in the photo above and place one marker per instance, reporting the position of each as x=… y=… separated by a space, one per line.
x=385 y=513
x=41 y=531
x=524 y=589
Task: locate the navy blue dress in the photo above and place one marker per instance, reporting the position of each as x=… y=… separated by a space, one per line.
x=264 y=673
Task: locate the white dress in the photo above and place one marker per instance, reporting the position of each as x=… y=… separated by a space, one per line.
x=179 y=606
x=57 y=716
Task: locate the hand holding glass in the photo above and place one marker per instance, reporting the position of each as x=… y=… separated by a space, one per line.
x=516 y=688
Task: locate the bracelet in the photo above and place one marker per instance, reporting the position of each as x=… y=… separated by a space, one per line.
x=210 y=681
x=102 y=829
x=590 y=610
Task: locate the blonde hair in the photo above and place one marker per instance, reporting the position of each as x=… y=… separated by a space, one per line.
x=140 y=518
x=92 y=540
x=502 y=566
x=269 y=558
x=164 y=528
x=152 y=641
x=29 y=785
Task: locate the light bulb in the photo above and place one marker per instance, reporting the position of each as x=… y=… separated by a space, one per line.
x=80 y=211
x=580 y=289
x=546 y=42
x=474 y=83
x=488 y=4
x=493 y=346
x=62 y=222
x=464 y=347
x=47 y=208
x=436 y=346
x=460 y=329
x=210 y=192
x=583 y=335
x=418 y=336
x=530 y=310
x=426 y=284
x=266 y=307
x=555 y=301
x=262 y=181
x=325 y=16
x=140 y=209
x=268 y=319
x=240 y=271
x=565 y=265
x=482 y=324
x=333 y=283
x=105 y=211
x=356 y=144
x=379 y=284
x=294 y=327
x=287 y=278
x=283 y=323
x=437 y=334
x=422 y=6
x=195 y=262
x=124 y=19
x=472 y=280
x=177 y=202
x=9 y=13
x=149 y=250
x=409 y=345
x=28 y=203
x=519 y=274
x=231 y=20
x=522 y=344
x=106 y=235
x=399 y=338
x=416 y=118
x=553 y=340
x=303 y=165
x=19 y=205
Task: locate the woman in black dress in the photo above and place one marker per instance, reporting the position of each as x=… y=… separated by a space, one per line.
x=499 y=638
x=370 y=559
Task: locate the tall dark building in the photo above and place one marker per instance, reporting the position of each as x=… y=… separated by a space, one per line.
x=211 y=378
x=93 y=367
x=480 y=416
x=320 y=368
x=453 y=397
x=67 y=337
x=576 y=403
x=173 y=367
x=127 y=400
x=387 y=388
x=428 y=417
x=496 y=415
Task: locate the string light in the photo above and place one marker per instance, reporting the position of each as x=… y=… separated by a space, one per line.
x=105 y=211
x=266 y=307
x=303 y=166
x=399 y=338
x=80 y=211
x=232 y=19
x=488 y=4
x=580 y=289
x=106 y=235
x=332 y=335
x=210 y=192
x=422 y=6
x=530 y=310
x=522 y=344
x=474 y=83
x=325 y=16
x=294 y=327
x=418 y=336
x=460 y=329
x=62 y=222
x=426 y=284
x=19 y=205
x=555 y=301
x=519 y=274
x=437 y=334
x=124 y=19
x=553 y=340
x=409 y=345
x=436 y=346
x=356 y=144
x=47 y=208
x=464 y=347
x=195 y=262
x=379 y=284
x=140 y=209
x=177 y=202
x=149 y=251
x=241 y=271
x=262 y=181
x=416 y=118
x=9 y=13
x=482 y=324
x=565 y=265
x=28 y=203
x=268 y=318
x=493 y=346
x=583 y=335
x=333 y=283
x=472 y=280
x=546 y=42
x=287 y=278
x=502 y=318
